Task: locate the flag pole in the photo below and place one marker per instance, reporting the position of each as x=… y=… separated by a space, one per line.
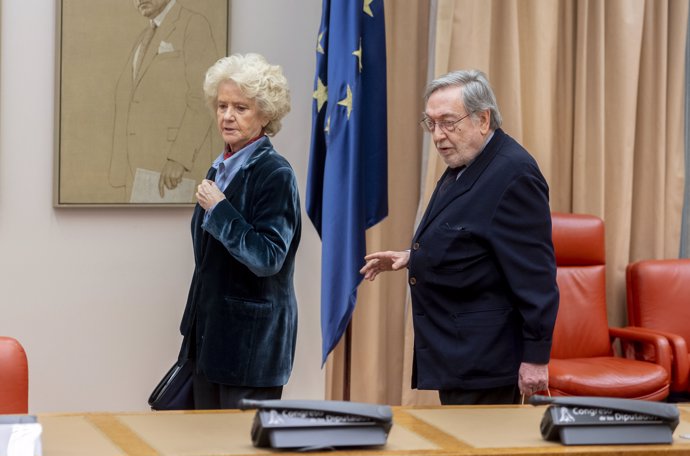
x=347 y=362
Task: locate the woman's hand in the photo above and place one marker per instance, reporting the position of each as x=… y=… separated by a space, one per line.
x=208 y=194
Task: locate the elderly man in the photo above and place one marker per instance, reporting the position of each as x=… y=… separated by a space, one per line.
x=482 y=269
x=161 y=121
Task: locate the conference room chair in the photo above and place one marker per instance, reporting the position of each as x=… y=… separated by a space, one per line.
x=658 y=299
x=583 y=359
x=14 y=377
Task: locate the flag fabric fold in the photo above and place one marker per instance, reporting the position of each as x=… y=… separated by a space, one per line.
x=347 y=181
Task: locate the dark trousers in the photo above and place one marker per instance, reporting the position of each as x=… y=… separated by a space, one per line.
x=500 y=395
x=212 y=396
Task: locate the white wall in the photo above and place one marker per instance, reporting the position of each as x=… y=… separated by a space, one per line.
x=95 y=295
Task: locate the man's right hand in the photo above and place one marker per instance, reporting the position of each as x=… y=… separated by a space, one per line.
x=171 y=176
x=384 y=261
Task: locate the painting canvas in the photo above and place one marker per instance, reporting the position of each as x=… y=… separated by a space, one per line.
x=132 y=124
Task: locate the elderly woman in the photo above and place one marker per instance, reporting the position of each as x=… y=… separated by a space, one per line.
x=240 y=322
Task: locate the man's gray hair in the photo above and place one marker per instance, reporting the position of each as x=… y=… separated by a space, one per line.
x=477 y=94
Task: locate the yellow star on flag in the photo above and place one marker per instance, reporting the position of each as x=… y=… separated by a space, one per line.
x=347 y=101
x=367 y=7
x=319 y=47
x=320 y=94
x=358 y=54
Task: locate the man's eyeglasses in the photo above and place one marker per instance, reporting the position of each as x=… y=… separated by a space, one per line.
x=446 y=125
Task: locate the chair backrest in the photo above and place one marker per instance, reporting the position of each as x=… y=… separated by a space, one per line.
x=14 y=377
x=659 y=295
x=581 y=326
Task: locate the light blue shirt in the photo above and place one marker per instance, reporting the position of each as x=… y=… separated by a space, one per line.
x=226 y=169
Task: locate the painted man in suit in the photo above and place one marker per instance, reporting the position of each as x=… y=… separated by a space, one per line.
x=482 y=270
x=161 y=121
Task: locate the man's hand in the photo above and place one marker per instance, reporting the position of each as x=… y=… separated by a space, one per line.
x=533 y=378
x=384 y=261
x=171 y=176
x=208 y=194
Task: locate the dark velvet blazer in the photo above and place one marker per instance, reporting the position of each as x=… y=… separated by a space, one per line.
x=241 y=306
x=482 y=274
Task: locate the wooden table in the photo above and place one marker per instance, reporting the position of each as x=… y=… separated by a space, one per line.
x=478 y=430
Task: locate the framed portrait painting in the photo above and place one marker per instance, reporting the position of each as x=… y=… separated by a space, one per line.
x=132 y=124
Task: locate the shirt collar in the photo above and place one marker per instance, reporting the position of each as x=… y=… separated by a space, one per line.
x=239 y=155
x=488 y=138
x=158 y=20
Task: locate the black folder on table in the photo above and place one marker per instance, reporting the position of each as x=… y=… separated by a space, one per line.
x=604 y=420
x=310 y=424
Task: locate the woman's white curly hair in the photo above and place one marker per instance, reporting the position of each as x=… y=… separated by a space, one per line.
x=257 y=79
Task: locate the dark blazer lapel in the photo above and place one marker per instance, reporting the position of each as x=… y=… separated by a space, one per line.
x=262 y=149
x=465 y=182
x=236 y=182
x=425 y=218
x=201 y=235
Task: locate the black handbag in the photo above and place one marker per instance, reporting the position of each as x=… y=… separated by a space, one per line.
x=174 y=391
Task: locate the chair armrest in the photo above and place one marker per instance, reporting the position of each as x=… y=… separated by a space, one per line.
x=680 y=364
x=662 y=348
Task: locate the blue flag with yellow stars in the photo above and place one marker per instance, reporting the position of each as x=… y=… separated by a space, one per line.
x=347 y=183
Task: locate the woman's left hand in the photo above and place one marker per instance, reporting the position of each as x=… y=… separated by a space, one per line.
x=208 y=194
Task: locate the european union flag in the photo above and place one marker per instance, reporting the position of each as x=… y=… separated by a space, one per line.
x=347 y=184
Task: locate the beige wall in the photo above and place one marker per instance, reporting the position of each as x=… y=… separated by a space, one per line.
x=95 y=295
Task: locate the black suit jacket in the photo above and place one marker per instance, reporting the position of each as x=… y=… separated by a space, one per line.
x=482 y=274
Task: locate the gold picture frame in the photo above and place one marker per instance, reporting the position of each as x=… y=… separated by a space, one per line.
x=130 y=105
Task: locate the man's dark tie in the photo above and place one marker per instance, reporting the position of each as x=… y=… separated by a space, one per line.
x=450 y=178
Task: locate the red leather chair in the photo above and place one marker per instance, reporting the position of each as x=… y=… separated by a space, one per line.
x=14 y=377
x=583 y=362
x=658 y=293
